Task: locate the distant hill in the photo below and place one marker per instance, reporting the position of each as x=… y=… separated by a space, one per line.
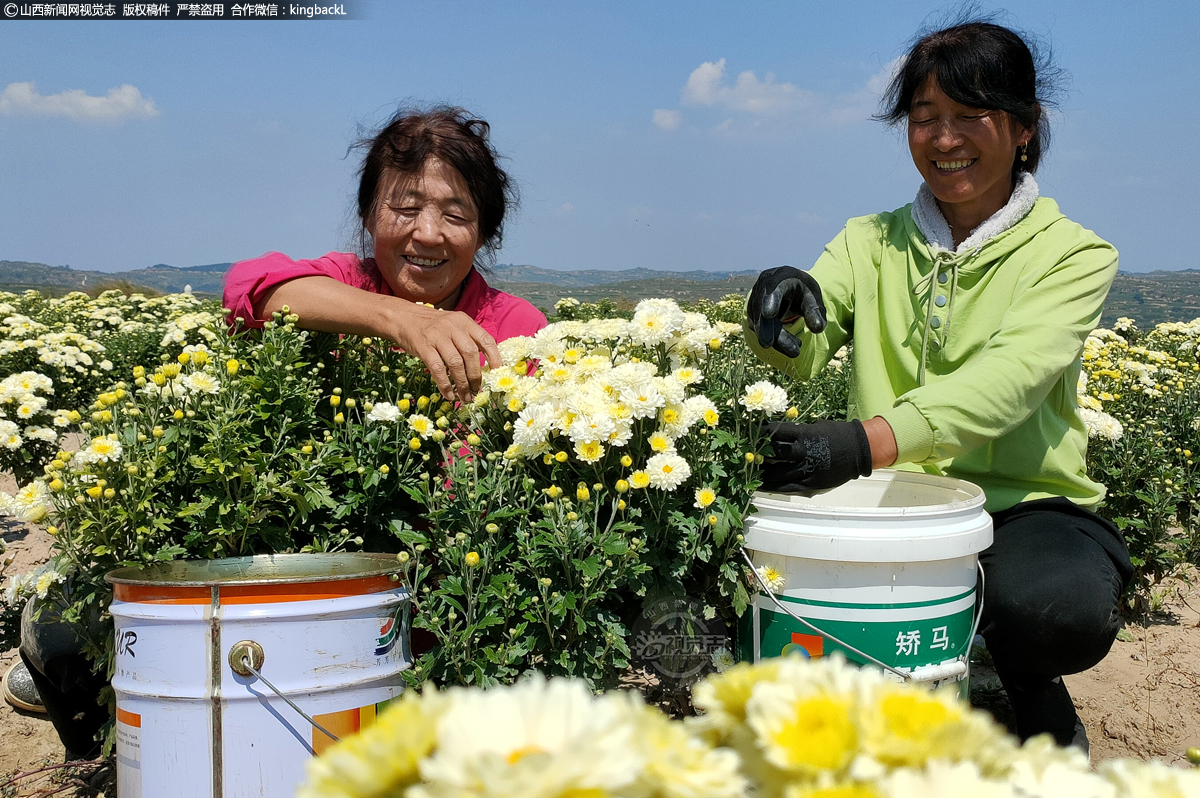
x=510 y=274
x=21 y=276
x=1149 y=298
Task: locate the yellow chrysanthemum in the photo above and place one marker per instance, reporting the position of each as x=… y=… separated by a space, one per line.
x=807 y=734
x=639 y=479
x=723 y=697
x=904 y=726
x=382 y=759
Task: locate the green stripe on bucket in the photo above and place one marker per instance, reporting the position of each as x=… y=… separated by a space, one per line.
x=903 y=644
x=864 y=606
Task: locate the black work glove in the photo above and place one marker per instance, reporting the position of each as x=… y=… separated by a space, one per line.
x=779 y=296
x=817 y=456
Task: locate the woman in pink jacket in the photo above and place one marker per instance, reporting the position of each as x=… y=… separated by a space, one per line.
x=432 y=202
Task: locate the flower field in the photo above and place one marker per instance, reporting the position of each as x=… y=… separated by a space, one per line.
x=608 y=464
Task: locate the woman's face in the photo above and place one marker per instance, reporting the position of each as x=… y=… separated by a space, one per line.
x=965 y=154
x=426 y=233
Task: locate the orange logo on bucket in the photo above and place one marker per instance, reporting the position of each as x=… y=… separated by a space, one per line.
x=343 y=724
x=807 y=646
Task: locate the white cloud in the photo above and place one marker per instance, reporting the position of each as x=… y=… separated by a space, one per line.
x=123 y=102
x=667 y=120
x=707 y=86
x=747 y=97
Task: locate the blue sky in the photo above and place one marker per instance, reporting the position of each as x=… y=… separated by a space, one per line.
x=634 y=134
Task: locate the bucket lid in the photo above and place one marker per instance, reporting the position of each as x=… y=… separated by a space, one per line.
x=269 y=577
x=889 y=516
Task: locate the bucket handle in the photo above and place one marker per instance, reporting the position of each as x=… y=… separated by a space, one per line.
x=905 y=675
x=243 y=653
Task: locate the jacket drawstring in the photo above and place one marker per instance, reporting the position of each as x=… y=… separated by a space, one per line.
x=928 y=283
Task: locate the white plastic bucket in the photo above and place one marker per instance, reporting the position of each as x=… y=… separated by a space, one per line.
x=885 y=564
x=332 y=631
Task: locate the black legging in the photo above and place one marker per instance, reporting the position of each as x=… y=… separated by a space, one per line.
x=1054 y=574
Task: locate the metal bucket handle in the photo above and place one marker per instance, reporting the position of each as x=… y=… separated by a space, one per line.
x=246 y=657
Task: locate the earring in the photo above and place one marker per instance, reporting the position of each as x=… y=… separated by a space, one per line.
x=1024 y=153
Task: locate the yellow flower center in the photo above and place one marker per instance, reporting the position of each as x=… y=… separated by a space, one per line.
x=913 y=716
x=519 y=754
x=820 y=735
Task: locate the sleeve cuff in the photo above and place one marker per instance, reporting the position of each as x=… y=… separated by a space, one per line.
x=914 y=436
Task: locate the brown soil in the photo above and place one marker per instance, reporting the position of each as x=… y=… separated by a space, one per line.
x=27 y=741
x=1142 y=701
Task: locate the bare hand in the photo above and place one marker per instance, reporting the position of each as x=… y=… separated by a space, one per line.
x=448 y=343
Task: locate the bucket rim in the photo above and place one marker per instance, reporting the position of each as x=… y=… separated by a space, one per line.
x=259 y=569
x=976 y=498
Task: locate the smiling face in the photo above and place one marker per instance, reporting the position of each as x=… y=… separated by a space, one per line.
x=965 y=154
x=426 y=232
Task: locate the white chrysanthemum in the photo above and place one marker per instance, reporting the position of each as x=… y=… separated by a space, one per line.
x=501 y=380
x=532 y=426
x=172 y=389
x=591 y=427
x=47 y=580
x=516 y=348
x=32 y=502
x=1081 y=384
x=41 y=434
x=764 y=396
x=1101 y=425
x=201 y=382
x=704 y=497
x=1134 y=779
x=945 y=780
x=642 y=400
x=722 y=659
x=384 y=411
x=592 y=366
x=623 y=430
x=700 y=408
x=775 y=581
x=672 y=389
x=678 y=763
x=421 y=424
x=589 y=451
x=677 y=419
x=606 y=329
x=1062 y=775
x=104 y=450
x=688 y=375
x=668 y=471
x=558 y=372
x=11 y=441
x=534 y=739
x=628 y=376
x=654 y=321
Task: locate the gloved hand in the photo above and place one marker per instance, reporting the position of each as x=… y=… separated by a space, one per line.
x=817 y=456
x=779 y=296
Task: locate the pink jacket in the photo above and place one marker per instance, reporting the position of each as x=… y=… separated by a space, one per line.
x=502 y=315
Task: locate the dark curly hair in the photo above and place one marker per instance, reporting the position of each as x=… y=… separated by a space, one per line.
x=982 y=65
x=454 y=137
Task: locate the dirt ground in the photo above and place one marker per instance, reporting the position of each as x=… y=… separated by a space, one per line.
x=1142 y=701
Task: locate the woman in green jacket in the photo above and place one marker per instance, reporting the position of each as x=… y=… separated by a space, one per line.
x=968 y=309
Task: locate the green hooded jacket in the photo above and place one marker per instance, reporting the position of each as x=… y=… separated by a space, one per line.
x=972 y=358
